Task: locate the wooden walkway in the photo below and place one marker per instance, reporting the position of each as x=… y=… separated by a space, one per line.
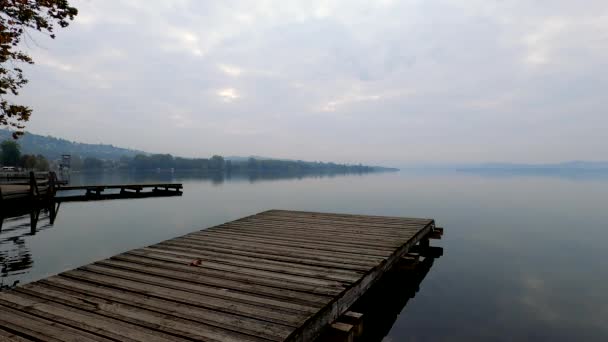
x=274 y=276
x=101 y=192
x=18 y=191
x=23 y=192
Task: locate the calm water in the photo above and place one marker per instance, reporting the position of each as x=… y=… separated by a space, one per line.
x=524 y=254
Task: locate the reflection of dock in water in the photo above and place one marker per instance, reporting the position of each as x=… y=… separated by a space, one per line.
x=372 y=317
x=27 y=208
x=16 y=224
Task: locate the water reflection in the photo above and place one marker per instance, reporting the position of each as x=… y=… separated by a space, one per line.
x=16 y=224
x=387 y=299
x=526 y=253
x=216 y=178
x=560 y=173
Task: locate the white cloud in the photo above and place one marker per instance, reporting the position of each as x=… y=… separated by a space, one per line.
x=228 y=94
x=230 y=70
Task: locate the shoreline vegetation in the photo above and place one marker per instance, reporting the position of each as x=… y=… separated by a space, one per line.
x=36 y=152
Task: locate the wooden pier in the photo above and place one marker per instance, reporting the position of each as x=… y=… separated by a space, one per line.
x=50 y=189
x=275 y=276
x=118 y=191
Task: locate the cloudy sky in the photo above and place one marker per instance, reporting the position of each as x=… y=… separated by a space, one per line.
x=372 y=81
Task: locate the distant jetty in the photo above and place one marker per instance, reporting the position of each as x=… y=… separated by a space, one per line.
x=30 y=189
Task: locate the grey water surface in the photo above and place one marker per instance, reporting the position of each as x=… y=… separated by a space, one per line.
x=524 y=252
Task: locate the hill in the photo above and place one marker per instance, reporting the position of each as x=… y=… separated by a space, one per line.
x=52 y=148
x=111 y=156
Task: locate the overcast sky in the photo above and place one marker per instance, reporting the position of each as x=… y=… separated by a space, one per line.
x=351 y=81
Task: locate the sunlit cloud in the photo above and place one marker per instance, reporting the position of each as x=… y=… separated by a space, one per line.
x=183 y=39
x=228 y=94
x=230 y=70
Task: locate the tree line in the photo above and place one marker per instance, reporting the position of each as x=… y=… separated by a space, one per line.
x=10 y=155
x=218 y=163
x=152 y=162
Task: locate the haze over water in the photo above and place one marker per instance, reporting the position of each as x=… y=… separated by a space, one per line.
x=523 y=253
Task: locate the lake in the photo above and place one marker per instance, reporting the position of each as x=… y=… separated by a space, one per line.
x=524 y=252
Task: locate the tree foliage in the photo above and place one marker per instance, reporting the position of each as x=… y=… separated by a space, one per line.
x=17 y=17
x=32 y=162
x=10 y=153
x=91 y=163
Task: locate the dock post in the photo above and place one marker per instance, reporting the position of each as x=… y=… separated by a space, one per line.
x=355 y=319
x=34 y=215
x=338 y=332
x=53 y=212
x=33 y=185
x=51 y=186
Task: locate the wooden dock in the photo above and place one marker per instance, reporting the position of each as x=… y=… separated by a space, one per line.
x=275 y=276
x=118 y=191
x=11 y=193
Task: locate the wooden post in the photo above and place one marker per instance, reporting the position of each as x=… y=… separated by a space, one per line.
x=51 y=186
x=53 y=212
x=338 y=332
x=34 y=215
x=33 y=186
x=355 y=319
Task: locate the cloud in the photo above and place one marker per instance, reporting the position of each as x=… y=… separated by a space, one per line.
x=230 y=70
x=228 y=94
x=461 y=78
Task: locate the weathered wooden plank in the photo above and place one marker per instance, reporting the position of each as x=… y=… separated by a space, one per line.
x=83 y=320
x=185 y=273
x=378 y=225
x=231 y=297
x=152 y=266
x=329 y=238
x=278 y=266
x=226 y=256
x=329 y=223
x=194 y=245
x=336 y=263
x=175 y=294
x=357 y=217
x=347 y=218
x=198 y=245
x=271 y=281
x=275 y=332
x=318 y=279
x=264 y=246
x=30 y=327
x=307 y=228
x=333 y=222
x=366 y=233
x=6 y=336
x=369 y=250
x=133 y=314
